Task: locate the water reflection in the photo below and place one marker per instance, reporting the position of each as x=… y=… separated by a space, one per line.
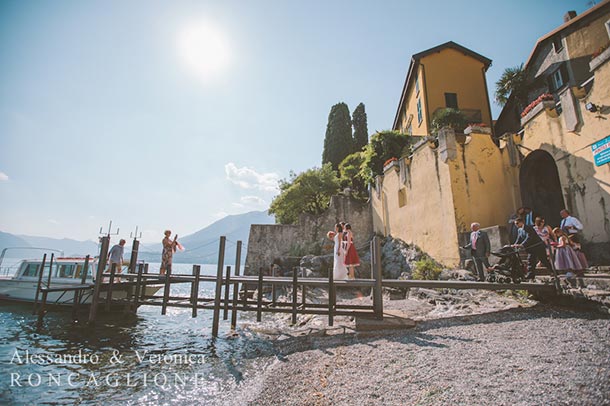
x=142 y=358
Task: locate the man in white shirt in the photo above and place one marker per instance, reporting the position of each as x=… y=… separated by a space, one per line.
x=571 y=225
x=115 y=256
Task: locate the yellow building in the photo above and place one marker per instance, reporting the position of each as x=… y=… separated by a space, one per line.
x=555 y=155
x=431 y=197
x=448 y=75
x=561 y=139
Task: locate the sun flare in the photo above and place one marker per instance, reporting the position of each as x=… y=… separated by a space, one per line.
x=204 y=49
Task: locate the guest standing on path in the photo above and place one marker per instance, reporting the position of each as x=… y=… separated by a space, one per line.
x=339 y=268
x=528 y=239
x=480 y=249
x=352 y=260
x=570 y=225
x=565 y=256
x=545 y=233
x=169 y=247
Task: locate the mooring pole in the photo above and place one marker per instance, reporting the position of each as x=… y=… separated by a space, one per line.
x=195 y=288
x=221 y=260
x=40 y=272
x=236 y=286
x=145 y=280
x=50 y=271
x=136 y=296
x=225 y=314
x=167 y=288
x=41 y=311
x=105 y=242
x=77 y=293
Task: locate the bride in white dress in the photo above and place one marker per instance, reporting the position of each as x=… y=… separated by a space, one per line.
x=339 y=267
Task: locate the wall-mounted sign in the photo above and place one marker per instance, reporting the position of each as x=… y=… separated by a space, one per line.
x=601 y=151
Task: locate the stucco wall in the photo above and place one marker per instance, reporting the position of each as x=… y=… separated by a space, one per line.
x=586 y=187
x=484 y=185
x=268 y=242
x=428 y=218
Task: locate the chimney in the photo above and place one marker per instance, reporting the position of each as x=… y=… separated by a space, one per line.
x=569 y=15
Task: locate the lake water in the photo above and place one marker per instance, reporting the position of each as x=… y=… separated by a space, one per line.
x=145 y=358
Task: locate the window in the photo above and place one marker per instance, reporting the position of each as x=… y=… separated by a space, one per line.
x=402 y=197
x=419 y=113
x=451 y=100
x=416 y=86
x=66 y=271
x=558 y=79
x=557 y=44
x=31 y=270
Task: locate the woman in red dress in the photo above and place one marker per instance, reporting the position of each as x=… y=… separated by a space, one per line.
x=351 y=257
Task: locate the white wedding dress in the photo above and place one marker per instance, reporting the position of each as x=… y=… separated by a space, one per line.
x=339 y=268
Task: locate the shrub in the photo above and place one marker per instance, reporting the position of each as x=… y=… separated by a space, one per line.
x=426 y=269
x=449 y=117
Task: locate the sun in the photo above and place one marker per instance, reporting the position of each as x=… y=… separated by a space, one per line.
x=204 y=49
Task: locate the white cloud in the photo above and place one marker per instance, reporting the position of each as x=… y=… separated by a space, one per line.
x=53 y=221
x=3 y=177
x=253 y=200
x=248 y=178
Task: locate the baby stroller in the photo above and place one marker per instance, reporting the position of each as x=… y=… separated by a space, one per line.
x=509 y=269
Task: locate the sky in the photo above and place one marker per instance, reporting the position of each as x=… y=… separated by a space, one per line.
x=172 y=115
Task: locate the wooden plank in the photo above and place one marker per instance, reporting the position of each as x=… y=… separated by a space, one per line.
x=221 y=260
x=77 y=293
x=378 y=273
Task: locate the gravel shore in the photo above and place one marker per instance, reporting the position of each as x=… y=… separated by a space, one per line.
x=531 y=355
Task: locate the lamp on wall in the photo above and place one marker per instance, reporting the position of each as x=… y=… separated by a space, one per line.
x=591 y=107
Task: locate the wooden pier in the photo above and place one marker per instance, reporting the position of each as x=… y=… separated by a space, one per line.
x=227 y=299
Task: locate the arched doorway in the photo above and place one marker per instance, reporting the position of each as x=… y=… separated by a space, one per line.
x=540 y=186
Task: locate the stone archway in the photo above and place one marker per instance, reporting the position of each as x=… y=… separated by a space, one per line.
x=540 y=186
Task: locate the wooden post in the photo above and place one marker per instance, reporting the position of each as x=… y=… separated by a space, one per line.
x=41 y=311
x=134 y=256
x=136 y=296
x=143 y=293
x=225 y=314
x=303 y=292
x=41 y=270
x=166 y=289
x=98 y=278
x=331 y=294
x=110 y=285
x=273 y=288
x=259 y=296
x=377 y=292
x=50 y=271
x=236 y=286
x=195 y=288
x=77 y=293
x=295 y=287
x=221 y=260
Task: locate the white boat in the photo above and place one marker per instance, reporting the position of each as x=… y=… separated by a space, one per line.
x=20 y=283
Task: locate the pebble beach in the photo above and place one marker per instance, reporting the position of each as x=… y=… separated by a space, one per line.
x=494 y=350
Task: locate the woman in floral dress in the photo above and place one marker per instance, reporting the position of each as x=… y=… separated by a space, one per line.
x=169 y=247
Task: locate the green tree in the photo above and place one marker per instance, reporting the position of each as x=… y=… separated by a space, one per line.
x=307 y=192
x=383 y=146
x=361 y=131
x=449 y=117
x=512 y=82
x=338 y=139
x=350 y=175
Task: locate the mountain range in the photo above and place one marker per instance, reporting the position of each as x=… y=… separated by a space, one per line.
x=200 y=247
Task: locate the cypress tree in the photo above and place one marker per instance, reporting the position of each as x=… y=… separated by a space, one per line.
x=338 y=141
x=361 y=131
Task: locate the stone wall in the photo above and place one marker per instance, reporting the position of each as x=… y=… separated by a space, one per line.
x=278 y=243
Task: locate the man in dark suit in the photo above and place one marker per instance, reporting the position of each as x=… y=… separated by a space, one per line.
x=480 y=249
x=528 y=238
